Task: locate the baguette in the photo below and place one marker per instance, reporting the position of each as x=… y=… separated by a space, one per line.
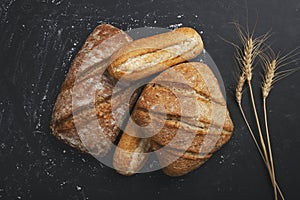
x=144 y=57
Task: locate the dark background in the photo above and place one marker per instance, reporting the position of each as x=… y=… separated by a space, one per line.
x=38 y=40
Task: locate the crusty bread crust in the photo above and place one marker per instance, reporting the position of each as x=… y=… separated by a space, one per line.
x=131 y=154
x=87 y=67
x=150 y=55
x=180 y=165
x=200 y=134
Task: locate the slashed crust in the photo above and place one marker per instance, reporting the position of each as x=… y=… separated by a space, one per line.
x=147 y=56
x=85 y=75
x=189 y=130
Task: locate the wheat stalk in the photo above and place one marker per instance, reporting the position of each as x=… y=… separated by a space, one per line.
x=259 y=149
x=271 y=76
x=252 y=48
x=270 y=69
x=239 y=95
x=246 y=58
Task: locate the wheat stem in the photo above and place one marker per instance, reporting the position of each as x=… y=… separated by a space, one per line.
x=270 y=69
x=259 y=149
x=238 y=95
x=252 y=135
x=269 y=147
x=262 y=141
x=270 y=78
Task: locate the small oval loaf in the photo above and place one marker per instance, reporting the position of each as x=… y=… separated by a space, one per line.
x=86 y=69
x=195 y=119
x=131 y=153
x=144 y=57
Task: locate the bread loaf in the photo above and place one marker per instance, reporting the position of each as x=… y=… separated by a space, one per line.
x=88 y=73
x=193 y=115
x=131 y=153
x=150 y=55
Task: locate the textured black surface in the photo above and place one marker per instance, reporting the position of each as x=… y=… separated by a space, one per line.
x=39 y=38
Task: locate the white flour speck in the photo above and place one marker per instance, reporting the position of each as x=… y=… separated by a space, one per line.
x=78 y=188
x=174 y=26
x=43 y=153
x=222 y=159
x=179 y=16
x=63 y=183
x=44 y=97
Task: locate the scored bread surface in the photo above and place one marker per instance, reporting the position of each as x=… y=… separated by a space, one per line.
x=147 y=56
x=190 y=132
x=85 y=72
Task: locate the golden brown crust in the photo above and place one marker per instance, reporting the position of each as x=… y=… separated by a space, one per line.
x=131 y=153
x=193 y=116
x=178 y=163
x=183 y=166
x=190 y=108
x=150 y=55
x=92 y=50
x=84 y=78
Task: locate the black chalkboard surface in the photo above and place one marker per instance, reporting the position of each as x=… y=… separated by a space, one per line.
x=39 y=39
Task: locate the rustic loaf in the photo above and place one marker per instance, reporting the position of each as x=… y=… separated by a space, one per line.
x=192 y=113
x=83 y=80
